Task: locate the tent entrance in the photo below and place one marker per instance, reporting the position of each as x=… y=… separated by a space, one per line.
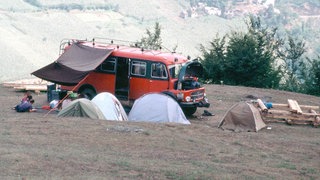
x=122 y=79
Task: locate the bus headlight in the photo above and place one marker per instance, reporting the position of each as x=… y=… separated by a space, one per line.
x=188 y=98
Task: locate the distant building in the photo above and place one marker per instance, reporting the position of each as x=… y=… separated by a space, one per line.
x=212 y=11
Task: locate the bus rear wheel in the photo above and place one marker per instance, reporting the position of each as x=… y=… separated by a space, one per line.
x=189 y=111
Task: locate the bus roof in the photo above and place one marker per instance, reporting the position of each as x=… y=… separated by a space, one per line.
x=167 y=58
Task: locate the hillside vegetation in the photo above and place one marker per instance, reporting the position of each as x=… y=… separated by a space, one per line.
x=31 y=30
x=31 y=37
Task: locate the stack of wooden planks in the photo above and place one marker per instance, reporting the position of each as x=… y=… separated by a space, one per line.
x=292 y=113
x=34 y=84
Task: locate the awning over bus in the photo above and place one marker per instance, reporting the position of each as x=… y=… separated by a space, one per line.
x=73 y=65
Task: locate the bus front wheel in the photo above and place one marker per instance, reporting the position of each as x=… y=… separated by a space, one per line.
x=189 y=111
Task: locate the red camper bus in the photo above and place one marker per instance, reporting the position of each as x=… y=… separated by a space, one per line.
x=91 y=67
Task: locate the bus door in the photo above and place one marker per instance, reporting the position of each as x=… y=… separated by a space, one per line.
x=159 y=80
x=122 y=78
x=139 y=81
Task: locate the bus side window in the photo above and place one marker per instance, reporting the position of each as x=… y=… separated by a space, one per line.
x=108 y=65
x=138 y=68
x=158 y=71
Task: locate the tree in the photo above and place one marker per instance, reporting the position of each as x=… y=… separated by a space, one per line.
x=295 y=66
x=153 y=39
x=313 y=79
x=248 y=59
x=213 y=60
x=251 y=57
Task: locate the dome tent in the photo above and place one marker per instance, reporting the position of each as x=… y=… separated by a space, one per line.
x=157 y=107
x=242 y=116
x=81 y=108
x=110 y=106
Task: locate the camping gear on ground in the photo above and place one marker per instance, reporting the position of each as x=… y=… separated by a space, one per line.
x=157 y=107
x=82 y=108
x=56 y=95
x=242 y=116
x=50 y=88
x=73 y=95
x=207 y=113
x=110 y=106
x=53 y=103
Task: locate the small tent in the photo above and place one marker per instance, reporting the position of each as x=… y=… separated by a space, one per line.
x=156 y=107
x=242 y=116
x=81 y=108
x=110 y=106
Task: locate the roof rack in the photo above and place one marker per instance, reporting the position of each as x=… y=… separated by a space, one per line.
x=125 y=43
x=67 y=41
x=114 y=41
x=108 y=41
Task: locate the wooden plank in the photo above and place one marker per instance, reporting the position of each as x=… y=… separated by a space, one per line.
x=272 y=120
x=310 y=107
x=292 y=106
x=262 y=106
x=299 y=111
x=291 y=122
x=276 y=105
x=35 y=88
x=32 y=87
x=316 y=122
x=282 y=114
x=33 y=81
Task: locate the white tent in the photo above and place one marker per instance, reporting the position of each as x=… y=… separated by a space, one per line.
x=110 y=106
x=156 y=107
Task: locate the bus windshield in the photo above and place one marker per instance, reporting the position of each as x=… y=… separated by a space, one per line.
x=174 y=70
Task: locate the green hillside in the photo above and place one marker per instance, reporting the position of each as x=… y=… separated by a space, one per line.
x=31 y=30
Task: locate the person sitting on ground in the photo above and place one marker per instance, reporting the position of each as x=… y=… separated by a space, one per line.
x=25 y=106
x=70 y=97
x=27 y=96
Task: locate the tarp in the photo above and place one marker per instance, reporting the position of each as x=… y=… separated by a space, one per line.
x=73 y=65
x=242 y=116
x=110 y=106
x=156 y=107
x=82 y=108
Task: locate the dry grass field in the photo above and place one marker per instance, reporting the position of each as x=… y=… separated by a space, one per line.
x=40 y=146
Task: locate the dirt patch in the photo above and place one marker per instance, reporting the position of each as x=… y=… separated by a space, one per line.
x=40 y=146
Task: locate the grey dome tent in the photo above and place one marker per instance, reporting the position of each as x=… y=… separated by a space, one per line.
x=110 y=106
x=242 y=116
x=156 y=107
x=81 y=108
